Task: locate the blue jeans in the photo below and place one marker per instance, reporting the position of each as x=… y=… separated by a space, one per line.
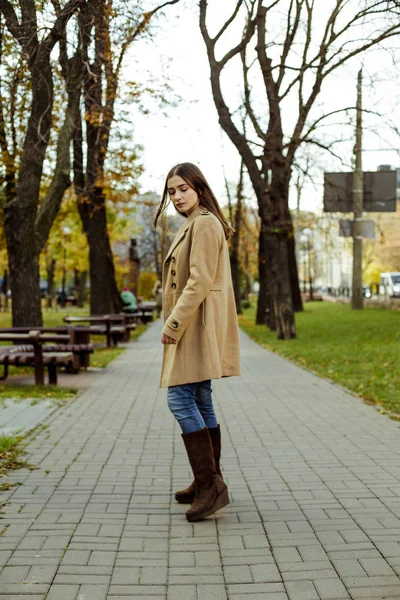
x=192 y=406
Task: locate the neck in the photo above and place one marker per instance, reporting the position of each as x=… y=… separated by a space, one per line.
x=188 y=212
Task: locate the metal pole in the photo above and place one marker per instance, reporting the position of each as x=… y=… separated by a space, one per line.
x=309 y=270
x=297 y=222
x=357 y=295
x=64 y=271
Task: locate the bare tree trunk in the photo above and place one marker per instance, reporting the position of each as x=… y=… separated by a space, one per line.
x=26 y=226
x=294 y=276
x=247 y=285
x=104 y=296
x=25 y=290
x=263 y=303
x=50 y=268
x=4 y=290
x=81 y=288
x=282 y=291
x=20 y=213
x=234 y=253
x=278 y=234
x=265 y=307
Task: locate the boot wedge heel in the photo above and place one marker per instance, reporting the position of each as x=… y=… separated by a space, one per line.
x=221 y=501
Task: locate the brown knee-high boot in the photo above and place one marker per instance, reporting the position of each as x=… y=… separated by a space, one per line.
x=211 y=490
x=187 y=496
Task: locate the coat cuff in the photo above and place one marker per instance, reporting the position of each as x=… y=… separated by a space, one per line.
x=173 y=328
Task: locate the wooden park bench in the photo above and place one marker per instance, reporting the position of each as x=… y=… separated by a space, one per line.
x=146 y=310
x=114 y=327
x=35 y=357
x=78 y=342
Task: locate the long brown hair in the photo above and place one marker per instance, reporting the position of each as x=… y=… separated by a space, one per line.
x=196 y=180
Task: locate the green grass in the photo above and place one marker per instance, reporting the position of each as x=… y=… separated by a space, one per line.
x=102 y=357
x=39 y=392
x=10 y=452
x=360 y=350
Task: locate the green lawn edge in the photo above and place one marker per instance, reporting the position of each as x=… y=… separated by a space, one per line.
x=358 y=350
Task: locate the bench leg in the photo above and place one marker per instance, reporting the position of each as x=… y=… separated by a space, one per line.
x=76 y=365
x=84 y=360
x=38 y=364
x=52 y=369
x=5 y=371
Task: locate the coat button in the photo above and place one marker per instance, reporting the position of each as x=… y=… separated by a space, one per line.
x=173 y=258
x=173 y=285
x=175 y=325
x=173 y=272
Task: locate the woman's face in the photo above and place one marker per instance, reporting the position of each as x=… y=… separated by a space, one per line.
x=182 y=195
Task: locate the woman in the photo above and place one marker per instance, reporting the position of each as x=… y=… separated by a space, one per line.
x=200 y=333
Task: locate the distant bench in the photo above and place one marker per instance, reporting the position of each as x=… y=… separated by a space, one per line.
x=75 y=341
x=145 y=311
x=35 y=357
x=115 y=327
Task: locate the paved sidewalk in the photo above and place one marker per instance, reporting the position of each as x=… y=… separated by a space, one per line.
x=314 y=477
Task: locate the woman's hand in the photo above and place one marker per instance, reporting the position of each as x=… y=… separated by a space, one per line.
x=167 y=340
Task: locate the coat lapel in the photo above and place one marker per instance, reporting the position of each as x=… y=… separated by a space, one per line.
x=179 y=237
x=183 y=229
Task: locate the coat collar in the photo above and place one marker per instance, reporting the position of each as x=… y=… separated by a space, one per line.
x=184 y=227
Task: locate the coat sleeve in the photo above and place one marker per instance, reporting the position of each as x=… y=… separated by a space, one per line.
x=207 y=240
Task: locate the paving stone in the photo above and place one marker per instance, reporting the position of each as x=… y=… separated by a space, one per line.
x=211 y=592
x=265 y=573
x=347 y=568
x=271 y=596
x=137 y=591
x=301 y=590
x=63 y=592
x=182 y=592
x=41 y=574
x=150 y=576
x=181 y=559
x=376 y=566
x=19 y=597
x=92 y=592
x=330 y=589
x=239 y=574
x=13 y=574
x=23 y=589
x=256 y=588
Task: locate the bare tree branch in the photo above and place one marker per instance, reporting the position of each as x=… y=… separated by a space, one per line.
x=59 y=25
x=144 y=22
x=228 y=22
x=11 y=17
x=321 y=145
x=247 y=102
x=275 y=123
x=225 y=117
x=290 y=36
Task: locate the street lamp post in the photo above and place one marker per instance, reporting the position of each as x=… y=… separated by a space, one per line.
x=305 y=239
x=66 y=232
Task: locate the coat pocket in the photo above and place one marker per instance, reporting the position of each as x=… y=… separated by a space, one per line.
x=217 y=286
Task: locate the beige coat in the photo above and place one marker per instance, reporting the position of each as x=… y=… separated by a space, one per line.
x=199 y=304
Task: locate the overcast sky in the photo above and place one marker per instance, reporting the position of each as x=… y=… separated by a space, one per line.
x=190 y=131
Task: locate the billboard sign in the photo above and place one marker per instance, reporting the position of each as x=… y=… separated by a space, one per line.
x=359 y=228
x=379 y=191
